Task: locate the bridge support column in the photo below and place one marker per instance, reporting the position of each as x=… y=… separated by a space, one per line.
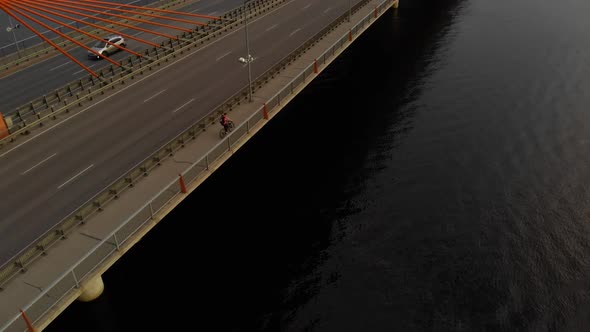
x=396 y=4
x=92 y=290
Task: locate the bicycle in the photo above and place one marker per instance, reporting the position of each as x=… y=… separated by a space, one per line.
x=223 y=131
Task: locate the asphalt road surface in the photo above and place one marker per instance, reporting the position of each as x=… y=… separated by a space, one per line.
x=46 y=178
x=47 y=76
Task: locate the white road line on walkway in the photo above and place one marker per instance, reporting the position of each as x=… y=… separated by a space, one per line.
x=81 y=70
x=327 y=10
x=192 y=11
x=54 y=68
x=137 y=33
x=306 y=6
x=75 y=176
x=156 y=37
x=188 y=102
x=154 y=96
x=39 y=163
x=272 y=27
x=141 y=80
x=223 y=56
x=212 y=13
x=294 y=32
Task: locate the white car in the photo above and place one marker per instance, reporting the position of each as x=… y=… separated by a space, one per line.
x=105 y=49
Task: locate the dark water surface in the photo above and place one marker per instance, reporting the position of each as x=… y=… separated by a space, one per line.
x=434 y=179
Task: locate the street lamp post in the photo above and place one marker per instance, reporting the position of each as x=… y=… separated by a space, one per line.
x=249 y=57
x=13 y=35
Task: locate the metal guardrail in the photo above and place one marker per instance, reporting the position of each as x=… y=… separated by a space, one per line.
x=27 y=54
x=71 y=280
x=63 y=100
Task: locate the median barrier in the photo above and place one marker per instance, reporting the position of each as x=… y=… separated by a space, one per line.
x=30 y=54
x=48 y=107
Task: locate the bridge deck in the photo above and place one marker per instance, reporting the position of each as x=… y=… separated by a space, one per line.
x=26 y=287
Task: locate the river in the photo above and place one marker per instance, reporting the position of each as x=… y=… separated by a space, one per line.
x=434 y=178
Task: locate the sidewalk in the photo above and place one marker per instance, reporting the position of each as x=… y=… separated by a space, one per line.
x=28 y=286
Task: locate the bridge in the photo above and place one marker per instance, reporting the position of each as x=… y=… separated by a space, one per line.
x=91 y=168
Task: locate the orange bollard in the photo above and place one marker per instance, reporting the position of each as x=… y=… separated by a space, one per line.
x=349 y=35
x=182 y=185
x=265 y=112
x=3 y=127
x=27 y=321
x=315 y=66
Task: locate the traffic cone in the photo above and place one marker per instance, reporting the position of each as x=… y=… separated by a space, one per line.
x=182 y=185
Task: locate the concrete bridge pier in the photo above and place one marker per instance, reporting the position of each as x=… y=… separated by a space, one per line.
x=92 y=289
x=396 y=4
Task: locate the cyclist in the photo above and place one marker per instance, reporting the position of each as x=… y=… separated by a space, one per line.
x=225 y=121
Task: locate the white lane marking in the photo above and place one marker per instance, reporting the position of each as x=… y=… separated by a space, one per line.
x=215 y=41
x=327 y=10
x=212 y=13
x=39 y=163
x=54 y=68
x=154 y=96
x=294 y=32
x=223 y=56
x=192 y=11
x=137 y=33
x=183 y=105
x=156 y=37
x=81 y=70
x=272 y=27
x=306 y=6
x=75 y=176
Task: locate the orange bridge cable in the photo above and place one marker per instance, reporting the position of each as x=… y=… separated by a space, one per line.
x=76 y=29
x=62 y=34
x=156 y=9
x=9 y=12
x=133 y=12
x=101 y=27
x=114 y=15
x=26 y=318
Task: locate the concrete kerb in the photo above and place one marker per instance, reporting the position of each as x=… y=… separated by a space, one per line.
x=169 y=170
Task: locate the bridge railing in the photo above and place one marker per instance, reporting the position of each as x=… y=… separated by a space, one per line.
x=71 y=279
